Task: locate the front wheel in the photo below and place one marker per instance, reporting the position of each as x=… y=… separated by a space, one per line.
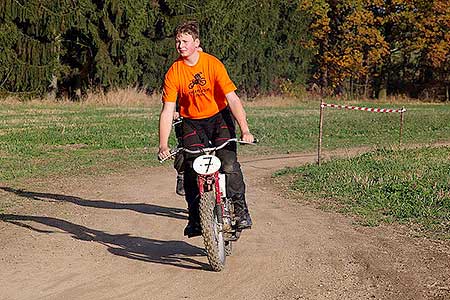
x=228 y=248
x=212 y=231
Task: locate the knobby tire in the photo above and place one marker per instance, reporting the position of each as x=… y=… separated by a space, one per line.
x=213 y=239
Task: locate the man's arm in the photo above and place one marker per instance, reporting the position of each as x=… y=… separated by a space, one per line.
x=239 y=114
x=165 y=126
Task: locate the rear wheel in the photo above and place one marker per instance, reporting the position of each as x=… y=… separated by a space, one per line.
x=212 y=231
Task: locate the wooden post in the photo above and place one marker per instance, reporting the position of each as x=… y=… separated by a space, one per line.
x=401 y=124
x=319 y=146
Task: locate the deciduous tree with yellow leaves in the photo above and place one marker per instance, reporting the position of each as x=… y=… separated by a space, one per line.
x=370 y=47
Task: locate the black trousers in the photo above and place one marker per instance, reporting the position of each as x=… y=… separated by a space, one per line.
x=178 y=163
x=213 y=131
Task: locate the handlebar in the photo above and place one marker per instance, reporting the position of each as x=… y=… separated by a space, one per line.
x=175 y=151
x=177 y=121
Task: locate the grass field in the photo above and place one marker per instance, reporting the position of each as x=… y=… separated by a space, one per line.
x=382 y=186
x=49 y=139
x=39 y=140
x=52 y=139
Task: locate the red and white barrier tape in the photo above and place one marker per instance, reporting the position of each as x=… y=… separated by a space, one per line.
x=381 y=110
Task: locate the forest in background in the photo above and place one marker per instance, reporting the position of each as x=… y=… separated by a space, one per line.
x=356 y=48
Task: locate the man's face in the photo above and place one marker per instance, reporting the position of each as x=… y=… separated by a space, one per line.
x=186 y=45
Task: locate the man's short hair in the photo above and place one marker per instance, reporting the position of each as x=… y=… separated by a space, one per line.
x=188 y=27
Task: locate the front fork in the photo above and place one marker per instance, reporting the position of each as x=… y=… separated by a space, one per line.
x=205 y=184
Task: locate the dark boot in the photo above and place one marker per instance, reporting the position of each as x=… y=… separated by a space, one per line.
x=193 y=227
x=243 y=219
x=180 y=184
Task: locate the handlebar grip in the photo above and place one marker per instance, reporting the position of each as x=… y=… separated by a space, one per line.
x=177 y=121
x=173 y=152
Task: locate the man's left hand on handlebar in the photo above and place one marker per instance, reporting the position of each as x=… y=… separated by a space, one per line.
x=247 y=137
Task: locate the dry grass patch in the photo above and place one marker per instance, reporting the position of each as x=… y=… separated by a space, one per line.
x=122 y=97
x=273 y=101
x=130 y=96
x=135 y=115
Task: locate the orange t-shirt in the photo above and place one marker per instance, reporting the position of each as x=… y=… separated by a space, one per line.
x=200 y=89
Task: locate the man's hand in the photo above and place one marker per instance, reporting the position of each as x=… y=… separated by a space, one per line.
x=164 y=152
x=247 y=137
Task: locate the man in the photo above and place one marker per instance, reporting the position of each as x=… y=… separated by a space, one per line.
x=209 y=107
x=178 y=163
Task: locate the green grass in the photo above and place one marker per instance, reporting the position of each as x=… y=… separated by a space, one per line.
x=47 y=140
x=296 y=129
x=38 y=140
x=383 y=186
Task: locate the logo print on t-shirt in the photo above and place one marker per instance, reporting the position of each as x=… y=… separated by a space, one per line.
x=198 y=79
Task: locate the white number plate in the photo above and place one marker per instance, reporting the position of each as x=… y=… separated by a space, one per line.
x=206 y=164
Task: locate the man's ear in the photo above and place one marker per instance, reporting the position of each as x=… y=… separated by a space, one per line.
x=197 y=43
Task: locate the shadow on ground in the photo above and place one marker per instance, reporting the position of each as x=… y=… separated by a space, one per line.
x=145 y=208
x=175 y=253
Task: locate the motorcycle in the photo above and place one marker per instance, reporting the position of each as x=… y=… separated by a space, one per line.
x=217 y=217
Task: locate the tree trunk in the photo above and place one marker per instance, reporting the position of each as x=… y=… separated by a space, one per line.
x=53 y=88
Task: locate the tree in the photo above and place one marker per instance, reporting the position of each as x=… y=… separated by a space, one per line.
x=29 y=45
x=111 y=49
x=433 y=43
x=259 y=49
x=81 y=43
x=417 y=34
x=384 y=46
x=347 y=42
x=71 y=46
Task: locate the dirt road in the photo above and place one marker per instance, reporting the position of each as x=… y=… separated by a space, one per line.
x=120 y=237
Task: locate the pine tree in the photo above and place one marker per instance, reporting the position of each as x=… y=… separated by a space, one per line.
x=80 y=43
x=30 y=33
x=70 y=46
x=259 y=42
x=111 y=49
